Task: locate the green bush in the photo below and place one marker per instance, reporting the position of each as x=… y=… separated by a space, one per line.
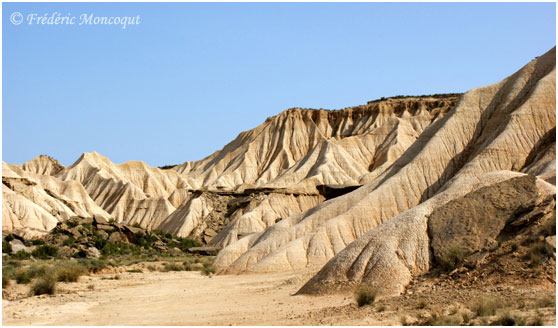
x=43 y=285
x=69 y=241
x=23 y=276
x=45 y=252
x=6 y=247
x=9 y=238
x=92 y=265
x=208 y=269
x=453 y=257
x=366 y=295
x=37 y=242
x=20 y=255
x=173 y=267
x=184 y=243
x=70 y=273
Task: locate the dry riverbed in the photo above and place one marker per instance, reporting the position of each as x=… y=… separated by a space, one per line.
x=189 y=298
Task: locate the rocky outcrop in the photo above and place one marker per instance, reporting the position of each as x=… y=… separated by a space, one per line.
x=389 y=256
x=33 y=204
x=493 y=128
x=42 y=164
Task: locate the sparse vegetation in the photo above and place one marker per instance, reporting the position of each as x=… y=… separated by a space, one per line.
x=506 y=319
x=5 y=281
x=21 y=255
x=43 y=285
x=443 y=320
x=45 y=252
x=421 y=304
x=486 y=306
x=6 y=247
x=69 y=273
x=539 y=252
x=208 y=269
x=366 y=295
x=453 y=257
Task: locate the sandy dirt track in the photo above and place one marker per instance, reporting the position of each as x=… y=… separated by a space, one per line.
x=173 y=298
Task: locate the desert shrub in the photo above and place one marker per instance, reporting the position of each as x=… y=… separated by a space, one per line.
x=134 y=271
x=421 y=304
x=43 y=285
x=91 y=287
x=208 y=269
x=5 y=281
x=69 y=241
x=514 y=246
x=366 y=295
x=538 y=252
x=37 y=242
x=72 y=223
x=9 y=238
x=184 y=243
x=45 y=252
x=453 y=257
x=22 y=276
x=443 y=320
x=506 y=319
x=6 y=247
x=546 y=301
x=70 y=273
x=137 y=225
x=21 y=255
x=92 y=265
x=145 y=240
x=486 y=306
x=173 y=267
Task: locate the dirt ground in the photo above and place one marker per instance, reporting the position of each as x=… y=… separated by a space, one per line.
x=189 y=298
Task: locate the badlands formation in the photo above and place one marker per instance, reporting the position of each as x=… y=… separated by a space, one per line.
x=373 y=194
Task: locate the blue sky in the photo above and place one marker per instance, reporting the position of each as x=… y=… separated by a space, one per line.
x=190 y=76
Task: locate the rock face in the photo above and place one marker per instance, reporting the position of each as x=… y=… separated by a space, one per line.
x=498 y=127
x=43 y=164
x=475 y=220
x=33 y=204
x=389 y=256
x=300 y=149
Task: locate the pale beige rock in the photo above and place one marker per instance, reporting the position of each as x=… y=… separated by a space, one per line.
x=130 y=192
x=33 y=204
x=42 y=164
x=492 y=128
x=300 y=149
x=389 y=256
x=273 y=208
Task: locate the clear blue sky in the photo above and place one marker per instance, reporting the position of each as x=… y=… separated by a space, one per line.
x=190 y=77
